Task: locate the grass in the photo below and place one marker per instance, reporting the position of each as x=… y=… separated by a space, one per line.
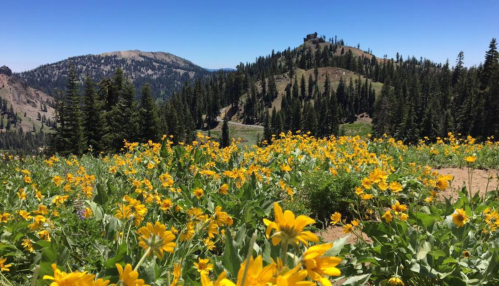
x=354 y=129
x=249 y=136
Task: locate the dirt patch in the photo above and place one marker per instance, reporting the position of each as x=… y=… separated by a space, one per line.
x=482 y=181
x=336 y=232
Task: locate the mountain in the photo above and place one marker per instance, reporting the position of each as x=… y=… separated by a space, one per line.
x=314 y=61
x=163 y=71
x=22 y=106
x=221 y=69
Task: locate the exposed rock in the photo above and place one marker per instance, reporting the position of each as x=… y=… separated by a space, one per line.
x=5 y=70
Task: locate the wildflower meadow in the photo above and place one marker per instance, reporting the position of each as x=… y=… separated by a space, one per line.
x=199 y=214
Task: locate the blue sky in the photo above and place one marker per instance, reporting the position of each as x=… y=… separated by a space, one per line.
x=216 y=34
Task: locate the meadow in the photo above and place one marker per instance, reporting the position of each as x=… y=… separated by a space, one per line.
x=159 y=214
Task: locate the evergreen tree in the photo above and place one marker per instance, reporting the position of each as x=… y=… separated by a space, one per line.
x=333 y=115
x=381 y=119
x=310 y=85
x=303 y=87
x=490 y=92
x=491 y=61
x=124 y=118
x=225 y=133
x=148 y=117
x=267 y=129
x=115 y=89
x=95 y=124
x=73 y=136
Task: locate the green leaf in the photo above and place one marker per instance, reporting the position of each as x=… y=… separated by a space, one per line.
x=427 y=220
x=423 y=250
x=64 y=255
x=266 y=255
x=357 y=280
x=49 y=254
x=45 y=269
x=378 y=230
x=248 y=216
x=111 y=188
x=111 y=228
x=337 y=246
x=101 y=197
x=231 y=260
x=437 y=253
x=96 y=210
x=163 y=153
x=118 y=258
x=450 y=260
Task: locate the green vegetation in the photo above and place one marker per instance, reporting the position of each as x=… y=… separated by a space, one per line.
x=354 y=129
x=249 y=136
x=166 y=212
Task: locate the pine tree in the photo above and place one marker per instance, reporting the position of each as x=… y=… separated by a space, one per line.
x=381 y=119
x=490 y=64
x=148 y=116
x=115 y=89
x=310 y=122
x=333 y=115
x=296 y=93
x=124 y=118
x=303 y=86
x=95 y=124
x=490 y=91
x=225 y=133
x=74 y=137
x=297 y=115
x=267 y=129
x=408 y=130
x=310 y=85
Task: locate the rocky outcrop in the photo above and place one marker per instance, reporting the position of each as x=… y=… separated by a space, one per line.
x=5 y=70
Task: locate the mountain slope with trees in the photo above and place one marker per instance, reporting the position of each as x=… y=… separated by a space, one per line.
x=26 y=114
x=312 y=88
x=164 y=72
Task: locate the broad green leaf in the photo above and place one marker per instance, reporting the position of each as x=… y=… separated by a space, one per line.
x=337 y=246
x=231 y=260
x=357 y=280
x=101 y=197
x=118 y=258
x=423 y=250
x=437 y=253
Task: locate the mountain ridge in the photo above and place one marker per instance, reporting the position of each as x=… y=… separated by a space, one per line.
x=165 y=72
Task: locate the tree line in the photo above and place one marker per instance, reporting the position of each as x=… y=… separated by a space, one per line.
x=422 y=99
x=108 y=112
x=418 y=98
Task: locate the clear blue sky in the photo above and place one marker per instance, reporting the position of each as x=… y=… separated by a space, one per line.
x=216 y=34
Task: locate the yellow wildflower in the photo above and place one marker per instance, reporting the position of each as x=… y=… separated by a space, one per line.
x=288 y=228
x=203 y=266
x=460 y=218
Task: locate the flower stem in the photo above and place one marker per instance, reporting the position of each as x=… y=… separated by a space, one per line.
x=284 y=253
x=5 y=279
x=142 y=259
x=35 y=275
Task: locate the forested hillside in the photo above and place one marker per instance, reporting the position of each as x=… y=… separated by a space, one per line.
x=26 y=114
x=313 y=88
x=322 y=84
x=164 y=72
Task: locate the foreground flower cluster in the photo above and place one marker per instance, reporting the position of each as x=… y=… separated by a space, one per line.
x=159 y=214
